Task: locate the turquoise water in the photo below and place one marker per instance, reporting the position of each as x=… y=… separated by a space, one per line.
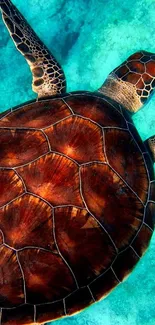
x=90 y=38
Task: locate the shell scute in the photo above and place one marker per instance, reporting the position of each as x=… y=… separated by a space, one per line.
x=11 y=186
x=142 y=240
x=46 y=312
x=43 y=276
x=17 y=315
x=103 y=284
x=150 y=215
x=95 y=109
x=126 y=159
x=83 y=243
x=136 y=137
x=152 y=191
x=20 y=146
x=149 y=165
x=125 y=263
x=74 y=302
x=82 y=140
x=30 y=226
x=54 y=178
x=30 y=116
x=112 y=202
x=9 y=296
x=4 y=114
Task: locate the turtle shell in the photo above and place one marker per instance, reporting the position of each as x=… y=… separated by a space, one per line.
x=77 y=202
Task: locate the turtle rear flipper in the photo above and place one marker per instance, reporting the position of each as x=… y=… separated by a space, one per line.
x=48 y=76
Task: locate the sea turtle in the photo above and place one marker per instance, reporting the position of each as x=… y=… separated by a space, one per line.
x=77 y=186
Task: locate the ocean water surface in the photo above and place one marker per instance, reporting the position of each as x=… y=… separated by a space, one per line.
x=90 y=38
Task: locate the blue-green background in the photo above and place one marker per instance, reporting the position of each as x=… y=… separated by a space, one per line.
x=90 y=38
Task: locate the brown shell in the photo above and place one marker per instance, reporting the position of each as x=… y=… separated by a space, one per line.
x=76 y=205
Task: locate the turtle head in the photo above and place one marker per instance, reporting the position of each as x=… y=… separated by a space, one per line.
x=132 y=83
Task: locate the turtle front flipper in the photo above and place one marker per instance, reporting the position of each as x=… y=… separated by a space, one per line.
x=48 y=76
x=132 y=82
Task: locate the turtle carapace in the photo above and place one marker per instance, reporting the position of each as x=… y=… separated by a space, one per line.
x=77 y=186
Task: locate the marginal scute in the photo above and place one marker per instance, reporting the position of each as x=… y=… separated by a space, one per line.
x=17 y=315
x=112 y=202
x=24 y=146
x=149 y=164
x=150 y=214
x=74 y=303
x=124 y=263
x=78 y=138
x=46 y=312
x=97 y=109
x=102 y=286
x=142 y=240
x=11 y=186
x=30 y=226
x=127 y=160
x=83 y=243
x=4 y=114
x=152 y=191
x=43 y=276
x=136 y=137
x=54 y=178
x=37 y=116
x=11 y=287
